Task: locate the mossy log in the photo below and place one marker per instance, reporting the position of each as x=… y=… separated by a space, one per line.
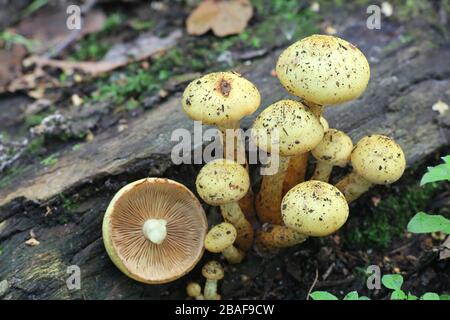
x=64 y=205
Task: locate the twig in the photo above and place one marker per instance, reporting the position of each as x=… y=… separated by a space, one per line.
x=313 y=284
x=333 y=283
x=328 y=272
x=73 y=36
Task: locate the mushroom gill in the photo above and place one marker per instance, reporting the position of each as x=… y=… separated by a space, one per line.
x=154 y=230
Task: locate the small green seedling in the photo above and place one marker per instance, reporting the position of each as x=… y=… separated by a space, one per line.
x=426 y=223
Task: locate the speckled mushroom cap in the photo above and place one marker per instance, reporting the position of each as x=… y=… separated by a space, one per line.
x=132 y=252
x=220 y=237
x=299 y=131
x=213 y=270
x=335 y=148
x=378 y=159
x=220 y=97
x=314 y=208
x=222 y=181
x=323 y=69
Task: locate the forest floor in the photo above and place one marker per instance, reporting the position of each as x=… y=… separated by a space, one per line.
x=70 y=137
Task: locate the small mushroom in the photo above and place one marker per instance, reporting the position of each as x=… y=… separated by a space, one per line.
x=298 y=164
x=154 y=230
x=314 y=208
x=323 y=70
x=376 y=159
x=223 y=99
x=213 y=272
x=290 y=127
x=223 y=183
x=334 y=150
x=194 y=290
x=220 y=239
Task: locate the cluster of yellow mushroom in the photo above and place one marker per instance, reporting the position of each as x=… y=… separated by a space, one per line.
x=155 y=230
x=320 y=71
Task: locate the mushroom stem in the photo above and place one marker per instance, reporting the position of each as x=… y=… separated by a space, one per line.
x=279 y=237
x=353 y=186
x=233 y=255
x=194 y=290
x=268 y=201
x=233 y=214
x=295 y=172
x=322 y=171
x=317 y=109
x=155 y=230
x=234 y=149
x=210 y=291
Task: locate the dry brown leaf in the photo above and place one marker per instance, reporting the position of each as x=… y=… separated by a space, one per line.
x=10 y=65
x=224 y=17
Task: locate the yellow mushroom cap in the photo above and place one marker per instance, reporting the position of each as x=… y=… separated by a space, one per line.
x=220 y=97
x=193 y=289
x=213 y=270
x=378 y=159
x=220 y=237
x=335 y=148
x=323 y=69
x=154 y=199
x=222 y=181
x=314 y=208
x=298 y=130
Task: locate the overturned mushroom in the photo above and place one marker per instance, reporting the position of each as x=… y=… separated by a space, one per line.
x=223 y=99
x=220 y=239
x=376 y=159
x=223 y=183
x=314 y=208
x=334 y=150
x=213 y=272
x=290 y=127
x=194 y=290
x=154 y=230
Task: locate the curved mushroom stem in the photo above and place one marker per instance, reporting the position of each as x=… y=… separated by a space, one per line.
x=231 y=136
x=268 y=201
x=322 y=171
x=279 y=237
x=297 y=164
x=233 y=255
x=155 y=230
x=295 y=172
x=353 y=186
x=210 y=291
x=232 y=213
x=317 y=109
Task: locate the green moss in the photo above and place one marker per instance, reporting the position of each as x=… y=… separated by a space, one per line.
x=389 y=219
x=94 y=46
x=67 y=203
x=50 y=160
x=9 y=175
x=35 y=146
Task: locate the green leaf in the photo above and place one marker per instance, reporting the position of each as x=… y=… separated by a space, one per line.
x=398 y=295
x=364 y=298
x=353 y=295
x=412 y=297
x=392 y=281
x=426 y=223
x=430 y=296
x=444 y=296
x=438 y=173
x=322 y=295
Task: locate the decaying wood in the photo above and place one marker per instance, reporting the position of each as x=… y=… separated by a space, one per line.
x=405 y=83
